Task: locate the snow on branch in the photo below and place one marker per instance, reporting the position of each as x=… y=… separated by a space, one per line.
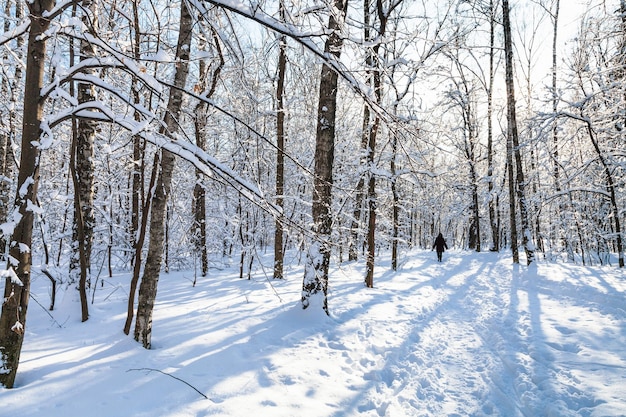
x=10 y=273
x=16 y=32
x=77 y=72
x=205 y=163
x=587 y=190
x=306 y=40
x=210 y=167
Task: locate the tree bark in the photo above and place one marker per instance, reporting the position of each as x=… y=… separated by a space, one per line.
x=516 y=182
x=555 y=100
x=138 y=164
x=610 y=185
x=280 y=150
x=82 y=170
x=395 y=210
x=470 y=154
x=200 y=125
x=376 y=77
x=558 y=233
x=141 y=237
x=9 y=89
x=359 y=201
x=493 y=221
x=315 y=281
x=150 y=278
x=474 y=229
x=16 y=294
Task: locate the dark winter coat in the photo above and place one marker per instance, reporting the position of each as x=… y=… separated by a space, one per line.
x=440 y=243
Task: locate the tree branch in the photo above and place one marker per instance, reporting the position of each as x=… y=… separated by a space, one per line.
x=172 y=376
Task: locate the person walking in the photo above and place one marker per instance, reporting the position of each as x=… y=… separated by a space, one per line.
x=440 y=245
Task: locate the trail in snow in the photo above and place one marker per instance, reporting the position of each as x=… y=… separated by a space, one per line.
x=483 y=338
x=472 y=336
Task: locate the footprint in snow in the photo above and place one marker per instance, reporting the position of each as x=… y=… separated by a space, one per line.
x=565 y=330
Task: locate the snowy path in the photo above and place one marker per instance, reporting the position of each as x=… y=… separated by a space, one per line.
x=481 y=339
x=472 y=336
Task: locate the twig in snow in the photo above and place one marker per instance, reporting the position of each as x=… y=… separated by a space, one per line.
x=46 y=310
x=172 y=376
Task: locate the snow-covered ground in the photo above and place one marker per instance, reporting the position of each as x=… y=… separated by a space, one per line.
x=472 y=336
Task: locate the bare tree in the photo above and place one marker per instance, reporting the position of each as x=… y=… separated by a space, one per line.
x=279 y=256
x=598 y=125
x=493 y=202
x=9 y=88
x=366 y=136
x=315 y=281
x=463 y=97
x=150 y=279
x=200 y=125
x=371 y=127
x=137 y=197
x=82 y=167
x=17 y=286
x=611 y=188
x=516 y=173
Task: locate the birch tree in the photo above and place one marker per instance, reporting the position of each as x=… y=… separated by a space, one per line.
x=493 y=218
x=82 y=167
x=554 y=16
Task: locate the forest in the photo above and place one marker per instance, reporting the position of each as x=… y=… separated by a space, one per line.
x=149 y=136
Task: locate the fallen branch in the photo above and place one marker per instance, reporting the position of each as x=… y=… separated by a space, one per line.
x=46 y=310
x=172 y=376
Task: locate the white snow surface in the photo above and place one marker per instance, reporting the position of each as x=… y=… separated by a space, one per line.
x=471 y=336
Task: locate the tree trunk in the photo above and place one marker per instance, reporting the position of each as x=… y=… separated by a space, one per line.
x=395 y=210
x=315 y=281
x=555 y=100
x=509 y=138
x=515 y=182
x=16 y=293
x=138 y=163
x=200 y=124
x=464 y=99
x=199 y=196
x=376 y=70
x=82 y=171
x=556 y=235
x=610 y=185
x=371 y=183
x=355 y=241
x=371 y=186
x=474 y=225
x=9 y=90
x=150 y=279
x=359 y=202
x=139 y=241
x=474 y=230
x=493 y=221
x=280 y=151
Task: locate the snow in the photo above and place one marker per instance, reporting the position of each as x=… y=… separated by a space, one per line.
x=159 y=56
x=472 y=336
x=10 y=273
